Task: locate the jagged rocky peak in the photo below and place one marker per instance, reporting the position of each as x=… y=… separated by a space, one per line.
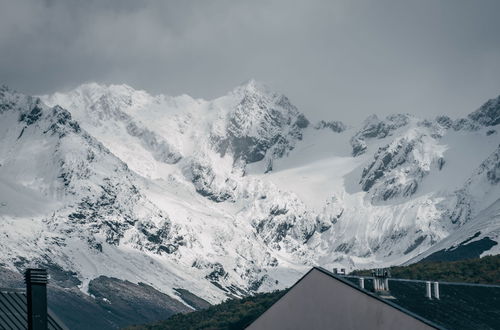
x=373 y=127
x=259 y=104
x=32 y=111
x=98 y=102
x=335 y=125
x=488 y=114
x=101 y=194
x=262 y=122
x=12 y=100
x=444 y=121
x=252 y=86
x=249 y=231
x=93 y=104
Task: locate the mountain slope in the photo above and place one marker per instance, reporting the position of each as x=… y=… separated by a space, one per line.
x=235 y=195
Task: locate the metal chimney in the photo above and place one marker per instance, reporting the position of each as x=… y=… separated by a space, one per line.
x=381 y=280
x=36 y=292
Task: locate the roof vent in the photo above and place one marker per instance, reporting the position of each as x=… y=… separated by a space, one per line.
x=381 y=282
x=361 y=282
x=428 y=289
x=436 y=290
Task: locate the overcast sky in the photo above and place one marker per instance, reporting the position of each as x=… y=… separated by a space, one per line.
x=334 y=59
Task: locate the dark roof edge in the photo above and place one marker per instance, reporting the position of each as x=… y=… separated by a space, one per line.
x=287 y=291
x=416 y=316
x=423 y=281
x=56 y=319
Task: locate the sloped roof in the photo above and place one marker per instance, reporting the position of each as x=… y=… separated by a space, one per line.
x=14 y=311
x=315 y=302
x=389 y=302
x=461 y=306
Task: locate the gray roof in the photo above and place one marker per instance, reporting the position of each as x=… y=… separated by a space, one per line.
x=14 y=310
x=388 y=302
x=461 y=305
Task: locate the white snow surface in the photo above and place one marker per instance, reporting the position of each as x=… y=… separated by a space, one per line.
x=233 y=195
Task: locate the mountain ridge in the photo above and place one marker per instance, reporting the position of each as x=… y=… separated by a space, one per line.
x=235 y=195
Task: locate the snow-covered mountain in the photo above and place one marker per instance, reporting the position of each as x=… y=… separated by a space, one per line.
x=238 y=194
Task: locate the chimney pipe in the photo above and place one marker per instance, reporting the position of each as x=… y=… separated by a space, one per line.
x=428 y=290
x=436 y=290
x=36 y=292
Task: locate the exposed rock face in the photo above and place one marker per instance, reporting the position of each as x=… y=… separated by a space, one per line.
x=328 y=217
x=444 y=121
x=229 y=196
x=465 y=124
x=488 y=114
x=464 y=201
x=261 y=123
x=104 y=195
x=399 y=167
x=488 y=169
x=492 y=167
x=373 y=127
x=387 y=159
x=207 y=183
x=336 y=126
x=161 y=150
x=103 y=108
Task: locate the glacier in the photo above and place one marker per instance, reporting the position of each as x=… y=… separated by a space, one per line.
x=235 y=195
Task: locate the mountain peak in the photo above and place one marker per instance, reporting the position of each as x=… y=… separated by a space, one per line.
x=252 y=86
x=96 y=90
x=488 y=114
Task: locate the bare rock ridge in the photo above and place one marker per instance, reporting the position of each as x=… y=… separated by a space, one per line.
x=190 y=201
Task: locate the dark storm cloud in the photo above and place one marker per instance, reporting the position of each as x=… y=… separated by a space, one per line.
x=334 y=59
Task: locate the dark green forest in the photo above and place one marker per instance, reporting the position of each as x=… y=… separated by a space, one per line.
x=230 y=315
x=239 y=313
x=485 y=270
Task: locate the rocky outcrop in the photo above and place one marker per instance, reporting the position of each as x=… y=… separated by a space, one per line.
x=161 y=150
x=488 y=114
x=281 y=223
x=373 y=128
x=261 y=123
x=336 y=126
x=385 y=161
x=104 y=194
x=207 y=183
x=398 y=167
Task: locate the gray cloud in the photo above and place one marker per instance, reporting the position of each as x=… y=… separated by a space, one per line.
x=334 y=59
